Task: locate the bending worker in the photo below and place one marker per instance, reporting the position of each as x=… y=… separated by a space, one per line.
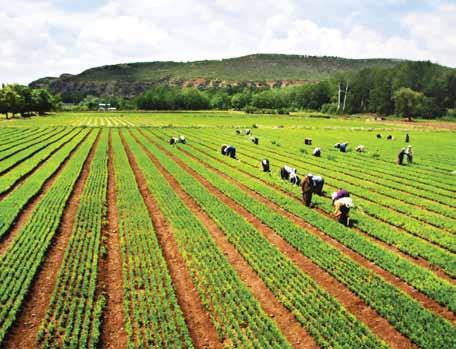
x=342 y=147
x=265 y=165
x=342 y=203
x=307 y=190
x=409 y=154
x=360 y=148
x=317 y=152
x=311 y=184
x=229 y=150
x=400 y=156
x=289 y=173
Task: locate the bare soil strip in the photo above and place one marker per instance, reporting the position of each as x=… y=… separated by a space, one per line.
x=28 y=209
x=397 y=282
x=201 y=330
x=284 y=319
x=417 y=260
x=377 y=324
x=110 y=281
x=23 y=332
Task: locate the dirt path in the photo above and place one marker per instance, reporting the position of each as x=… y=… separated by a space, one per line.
x=110 y=281
x=201 y=330
x=417 y=260
x=377 y=324
x=28 y=209
x=397 y=282
x=285 y=320
x=24 y=330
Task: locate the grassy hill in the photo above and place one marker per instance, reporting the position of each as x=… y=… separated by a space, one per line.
x=272 y=69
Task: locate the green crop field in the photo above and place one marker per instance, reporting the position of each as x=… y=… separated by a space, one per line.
x=111 y=237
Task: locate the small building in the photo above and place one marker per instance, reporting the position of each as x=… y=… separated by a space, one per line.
x=104 y=106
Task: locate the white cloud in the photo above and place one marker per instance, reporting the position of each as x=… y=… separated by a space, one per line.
x=37 y=38
x=436 y=32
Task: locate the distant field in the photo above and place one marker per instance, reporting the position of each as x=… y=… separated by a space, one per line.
x=230 y=119
x=110 y=237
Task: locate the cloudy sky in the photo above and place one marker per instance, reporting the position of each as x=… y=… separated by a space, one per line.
x=49 y=37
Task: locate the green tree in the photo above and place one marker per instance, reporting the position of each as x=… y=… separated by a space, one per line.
x=408 y=103
x=42 y=101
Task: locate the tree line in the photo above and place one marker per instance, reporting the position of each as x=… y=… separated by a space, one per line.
x=26 y=101
x=410 y=89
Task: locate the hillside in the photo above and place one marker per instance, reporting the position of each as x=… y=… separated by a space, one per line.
x=261 y=69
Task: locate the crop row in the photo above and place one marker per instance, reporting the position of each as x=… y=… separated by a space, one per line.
x=13 y=176
x=153 y=316
x=420 y=278
x=295 y=289
x=22 y=260
x=425 y=186
x=11 y=139
x=373 y=209
x=379 y=152
x=29 y=152
x=439 y=202
x=28 y=142
x=72 y=318
x=348 y=169
x=414 y=246
x=409 y=175
x=404 y=194
x=234 y=312
x=13 y=204
x=407 y=315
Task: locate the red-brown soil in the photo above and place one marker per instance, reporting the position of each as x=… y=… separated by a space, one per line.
x=201 y=330
x=23 y=333
x=110 y=281
x=286 y=322
x=350 y=301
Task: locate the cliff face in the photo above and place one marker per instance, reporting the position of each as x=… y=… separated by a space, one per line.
x=130 y=80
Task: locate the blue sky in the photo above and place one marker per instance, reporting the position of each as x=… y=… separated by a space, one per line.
x=49 y=37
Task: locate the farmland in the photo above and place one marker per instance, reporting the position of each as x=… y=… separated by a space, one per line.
x=110 y=237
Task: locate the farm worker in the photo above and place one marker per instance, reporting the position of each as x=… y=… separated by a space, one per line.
x=316 y=152
x=238 y=132
x=409 y=154
x=265 y=165
x=400 y=156
x=379 y=136
x=407 y=138
x=294 y=178
x=341 y=193
x=307 y=190
x=285 y=172
x=343 y=147
x=390 y=137
x=173 y=140
x=342 y=208
x=255 y=140
x=360 y=148
x=317 y=184
x=308 y=141
x=182 y=139
x=229 y=150
x=247 y=131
